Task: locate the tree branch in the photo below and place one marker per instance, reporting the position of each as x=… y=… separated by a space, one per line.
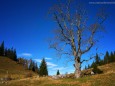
x=87 y=60
x=62 y=29
x=91 y=58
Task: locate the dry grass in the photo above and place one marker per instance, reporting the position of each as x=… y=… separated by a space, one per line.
x=9 y=67
x=105 y=79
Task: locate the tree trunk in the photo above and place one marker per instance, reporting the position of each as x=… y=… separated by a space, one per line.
x=77 y=69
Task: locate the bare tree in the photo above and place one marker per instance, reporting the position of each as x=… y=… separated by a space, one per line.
x=74 y=35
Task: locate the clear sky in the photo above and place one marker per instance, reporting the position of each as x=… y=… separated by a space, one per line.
x=26 y=25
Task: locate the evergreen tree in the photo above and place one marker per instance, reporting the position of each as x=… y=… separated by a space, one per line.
x=96 y=70
x=106 y=58
x=101 y=62
x=114 y=56
x=14 y=55
x=85 y=67
x=58 y=73
x=93 y=64
x=89 y=66
x=43 y=68
x=2 y=49
x=31 y=65
x=97 y=59
x=5 y=52
x=10 y=53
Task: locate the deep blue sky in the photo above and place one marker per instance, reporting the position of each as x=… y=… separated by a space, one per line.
x=26 y=25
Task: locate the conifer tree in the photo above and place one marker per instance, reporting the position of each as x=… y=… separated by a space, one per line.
x=93 y=64
x=85 y=67
x=106 y=58
x=58 y=73
x=2 y=49
x=5 y=52
x=31 y=65
x=114 y=56
x=96 y=70
x=11 y=53
x=97 y=59
x=101 y=62
x=14 y=55
x=89 y=66
x=43 y=68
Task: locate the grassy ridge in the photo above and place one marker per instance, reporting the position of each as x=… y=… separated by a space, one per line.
x=9 y=67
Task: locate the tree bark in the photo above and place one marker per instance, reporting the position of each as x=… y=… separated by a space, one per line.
x=77 y=68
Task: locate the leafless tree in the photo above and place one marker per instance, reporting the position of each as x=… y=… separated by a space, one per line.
x=75 y=34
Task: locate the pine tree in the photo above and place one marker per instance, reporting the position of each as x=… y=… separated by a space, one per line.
x=43 y=68
x=31 y=65
x=93 y=64
x=5 y=52
x=106 y=58
x=11 y=53
x=58 y=73
x=101 y=62
x=14 y=55
x=114 y=56
x=85 y=67
x=96 y=70
x=114 y=53
x=89 y=66
x=2 y=49
x=97 y=59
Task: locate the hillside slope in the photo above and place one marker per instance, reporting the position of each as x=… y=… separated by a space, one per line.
x=105 y=79
x=10 y=67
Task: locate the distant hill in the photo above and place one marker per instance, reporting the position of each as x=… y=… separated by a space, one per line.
x=10 y=67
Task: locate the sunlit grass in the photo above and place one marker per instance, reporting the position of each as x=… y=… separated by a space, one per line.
x=105 y=79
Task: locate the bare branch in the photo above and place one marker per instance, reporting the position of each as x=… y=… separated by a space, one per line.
x=62 y=29
x=91 y=58
x=73 y=27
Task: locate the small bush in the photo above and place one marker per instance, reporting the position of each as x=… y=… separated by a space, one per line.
x=28 y=75
x=96 y=70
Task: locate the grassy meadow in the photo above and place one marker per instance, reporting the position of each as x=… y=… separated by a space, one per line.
x=17 y=72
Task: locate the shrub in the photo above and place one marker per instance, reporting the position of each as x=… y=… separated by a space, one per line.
x=96 y=70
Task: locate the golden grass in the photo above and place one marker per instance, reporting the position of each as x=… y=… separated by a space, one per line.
x=9 y=67
x=105 y=79
x=96 y=80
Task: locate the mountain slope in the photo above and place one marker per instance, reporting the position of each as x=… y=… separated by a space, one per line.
x=10 y=67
